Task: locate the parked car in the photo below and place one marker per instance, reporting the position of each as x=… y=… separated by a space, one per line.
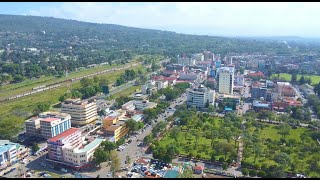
x=64 y=170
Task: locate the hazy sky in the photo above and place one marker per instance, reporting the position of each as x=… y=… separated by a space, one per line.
x=210 y=18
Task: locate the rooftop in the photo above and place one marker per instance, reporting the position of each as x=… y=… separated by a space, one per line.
x=50 y=119
x=64 y=134
x=89 y=146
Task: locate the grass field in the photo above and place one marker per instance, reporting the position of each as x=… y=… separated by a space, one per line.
x=315 y=79
x=125 y=92
x=27 y=85
x=27 y=104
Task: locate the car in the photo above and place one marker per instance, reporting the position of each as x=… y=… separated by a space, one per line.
x=42 y=173
x=64 y=170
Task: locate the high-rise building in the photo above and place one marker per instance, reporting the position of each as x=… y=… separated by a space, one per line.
x=48 y=124
x=82 y=112
x=200 y=97
x=226 y=80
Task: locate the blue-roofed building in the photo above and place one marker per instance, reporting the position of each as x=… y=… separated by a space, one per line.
x=258 y=105
x=8 y=153
x=137 y=117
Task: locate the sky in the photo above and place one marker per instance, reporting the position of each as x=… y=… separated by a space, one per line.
x=203 y=18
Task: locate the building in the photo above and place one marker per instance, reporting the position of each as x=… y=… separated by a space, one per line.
x=198 y=169
x=198 y=57
x=176 y=67
x=239 y=80
x=116 y=131
x=51 y=127
x=82 y=112
x=259 y=105
x=225 y=80
x=8 y=153
x=186 y=61
x=138 y=105
x=189 y=77
x=48 y=124
x=208 y=55
x=258 y=90
x=200 y=97
x=68 y=149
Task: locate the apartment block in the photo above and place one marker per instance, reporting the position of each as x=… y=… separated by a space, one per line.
x=82 y=111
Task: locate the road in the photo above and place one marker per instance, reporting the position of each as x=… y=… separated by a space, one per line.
x=132 y=149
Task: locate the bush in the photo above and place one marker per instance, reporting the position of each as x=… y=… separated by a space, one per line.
x=229 y=161
x=198 y=156
x=245 y=171
x=221 y=159
x=213 y=158
x=225 y=166
x=252 y=173
x=256 y=166
x=261 y=173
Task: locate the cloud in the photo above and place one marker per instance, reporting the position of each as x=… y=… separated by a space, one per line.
x=230 y=18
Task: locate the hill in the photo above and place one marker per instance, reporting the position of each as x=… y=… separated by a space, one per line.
x=69 y=44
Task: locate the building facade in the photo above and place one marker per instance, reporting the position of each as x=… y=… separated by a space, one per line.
x=226 y=80
x=68 y=149
x=48 y=124
x=8 y=153
x=82 y=112
x=200 y=97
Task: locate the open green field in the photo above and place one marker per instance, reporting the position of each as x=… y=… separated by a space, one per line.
x=315 y=79
x=125 y=92
x=28 y=103
x=27 y=85
x=300 y=152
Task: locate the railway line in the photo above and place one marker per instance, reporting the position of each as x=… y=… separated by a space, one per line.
x=47 y=87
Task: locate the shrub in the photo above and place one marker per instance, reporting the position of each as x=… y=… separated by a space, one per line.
x=261 y=173
x=225 y=166
x=245 y=171
x=221 y=159
x=252 y=173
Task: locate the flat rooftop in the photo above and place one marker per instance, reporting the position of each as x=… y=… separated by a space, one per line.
x=64 y=134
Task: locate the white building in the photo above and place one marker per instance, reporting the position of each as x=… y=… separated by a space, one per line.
x=199 y=97
x=186 y=61
x=239 y=80
x=48 y=124
x=82 y=112
x=226 y=80
x=138 y=105
x=198 y=57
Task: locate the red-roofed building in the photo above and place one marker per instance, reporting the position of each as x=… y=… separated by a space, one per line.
x=258 y=74
x=198 y=169
x=50 y=120
x=70 y=138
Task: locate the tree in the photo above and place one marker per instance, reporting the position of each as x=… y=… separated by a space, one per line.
x=261 y=173
x=108 y=146
x=132 y=125
x=35 y=147
x=115 y=162
x=252 y=172
x=174 y=133
x=41 y=107
x=187 y=173
x=283 y=159
x=245 y=171
x=302 y=80
x=18 y=78
x=284 y=129
x=293 y=78
x=100 y=156
x=105 y=89
x=225 y=166
x=85 y=82
x=148 y=139
x=128 y=159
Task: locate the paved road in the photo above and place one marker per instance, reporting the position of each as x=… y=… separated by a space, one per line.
x=133 y=150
